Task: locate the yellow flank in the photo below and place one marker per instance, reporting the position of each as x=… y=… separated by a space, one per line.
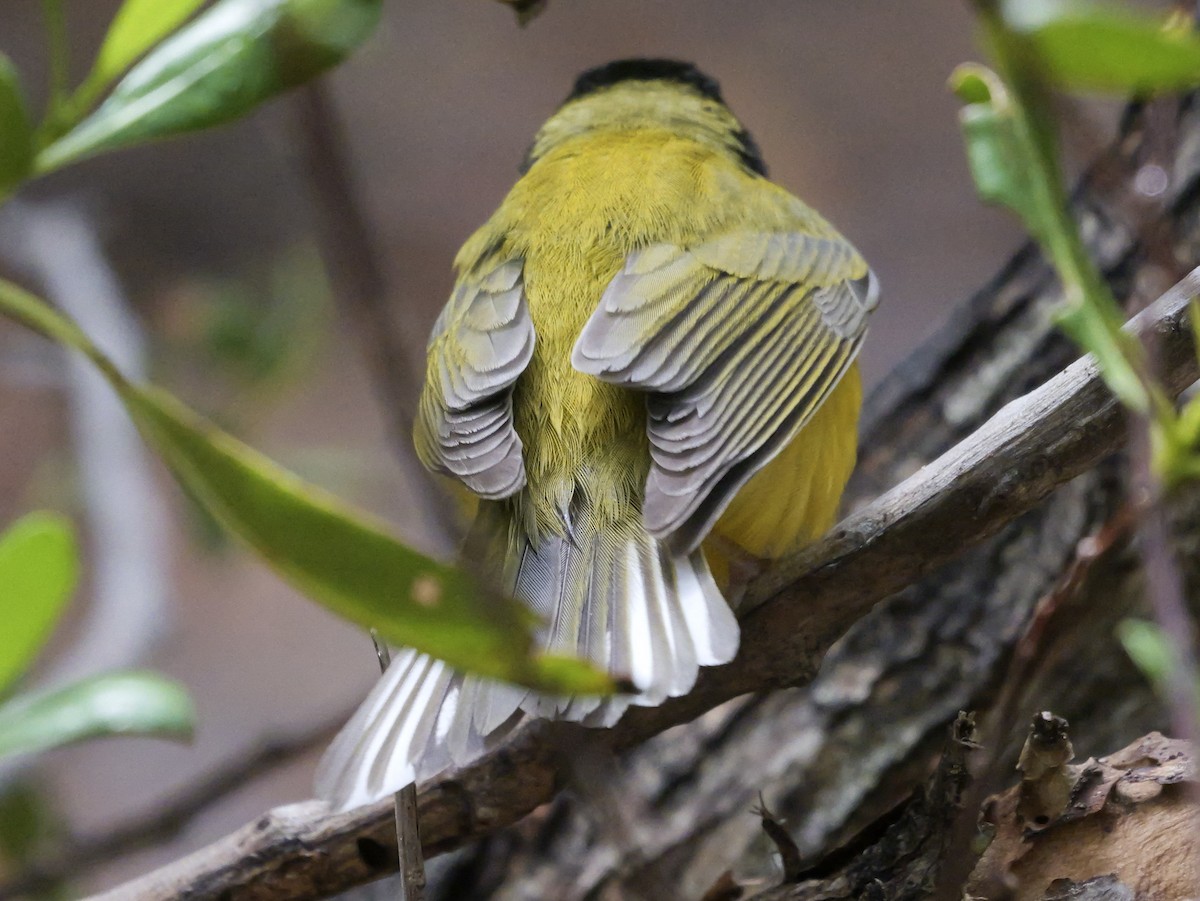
x=597 y=191
x=793 y=500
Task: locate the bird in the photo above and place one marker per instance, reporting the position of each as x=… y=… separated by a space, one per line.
x=645 y=377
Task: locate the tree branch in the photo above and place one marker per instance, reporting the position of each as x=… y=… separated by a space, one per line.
x=799 y=609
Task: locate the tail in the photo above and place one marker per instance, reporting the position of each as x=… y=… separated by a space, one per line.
x=615 y=596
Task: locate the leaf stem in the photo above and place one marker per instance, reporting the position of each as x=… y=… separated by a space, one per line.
x=59 y=53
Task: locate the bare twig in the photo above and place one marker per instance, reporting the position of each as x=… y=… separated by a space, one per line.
x=1167 y=599
x=408 y=832
x=360 y=285
x=1164 y=583
x=1163 y=577
x=1164 y=589
x=77 y=855
x=789 y=854
x=349 y=250
x=1000 y=471
x=408 y=835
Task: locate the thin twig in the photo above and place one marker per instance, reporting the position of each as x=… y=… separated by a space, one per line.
x=349 y=249
x=997 y=473
x=1164 y=588
x=360 y=286
x=408 y=837
x=1164 y=582
x=1165 y=592
x=77 y=855
x=58 y=49
x=408 y=832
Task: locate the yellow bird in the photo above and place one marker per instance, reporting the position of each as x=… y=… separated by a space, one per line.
x=648 y=362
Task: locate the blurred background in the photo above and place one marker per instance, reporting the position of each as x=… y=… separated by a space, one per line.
x=204 y=252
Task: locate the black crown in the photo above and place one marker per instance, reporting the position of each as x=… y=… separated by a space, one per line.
x=645 y=70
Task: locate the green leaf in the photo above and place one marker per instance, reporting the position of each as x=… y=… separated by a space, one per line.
x=227 y=61
x=1013 y=159
x=1092 y=46
x=38 y=570
x=997 y=144
x=1147 y=646
x=16 y=132
x=1194 y=321
x=1176 y=444
x=124 y=703
x=339 y=557
x=1101 y=334
x=137 y=27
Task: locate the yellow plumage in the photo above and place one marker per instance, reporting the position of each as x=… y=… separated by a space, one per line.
x=564 y=418
x=574 y=217
x=793 y=500
x=650 y=347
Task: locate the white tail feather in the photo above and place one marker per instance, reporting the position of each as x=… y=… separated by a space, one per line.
x=618 y=598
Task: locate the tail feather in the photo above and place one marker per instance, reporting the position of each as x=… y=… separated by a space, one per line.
x=494 y=703
x=617 y=597
x=388 y=738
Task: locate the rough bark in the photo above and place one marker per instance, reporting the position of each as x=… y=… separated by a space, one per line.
x=1111 y=829
x=837 y=755
x=1130 y=816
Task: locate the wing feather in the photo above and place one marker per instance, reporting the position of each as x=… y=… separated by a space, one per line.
x=480 y=345
x=737 y=341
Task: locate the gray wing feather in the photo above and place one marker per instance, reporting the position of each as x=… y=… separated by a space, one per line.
x=738 y=342
x=480 y=345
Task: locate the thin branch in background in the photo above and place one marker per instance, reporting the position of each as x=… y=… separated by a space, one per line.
x=58 y=51
x=77 y=855
x=408 y=828
x=125 y=512
x=1165 y=590
x=1164 y=582
x=1164 y=587
x=408 y=837
x=360 y=286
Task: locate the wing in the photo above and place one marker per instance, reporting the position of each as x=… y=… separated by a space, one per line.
x=738 y=340
x=480 y=344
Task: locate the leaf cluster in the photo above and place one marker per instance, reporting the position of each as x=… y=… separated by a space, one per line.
x=39 y=569
x=1041 y=46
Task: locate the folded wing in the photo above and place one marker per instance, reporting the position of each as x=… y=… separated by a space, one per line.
x=737 y=341
x=480 y=344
